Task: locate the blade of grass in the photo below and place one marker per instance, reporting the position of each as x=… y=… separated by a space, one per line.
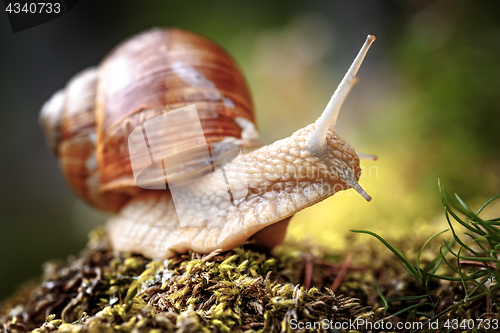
x=425 y=276
x=477 y=240
x=492 y=230
x=444 y=257
x=409 y=267
x=423 y=314
x=464 y=209
x=460 y=274
x=425 y=244
x=406 y=298
x=490 y=200
x=457 y=239
x=454 y=306
x=414 y=306
x=437 y=260
x=456 y=279
x=455 y=216
x=382 y=297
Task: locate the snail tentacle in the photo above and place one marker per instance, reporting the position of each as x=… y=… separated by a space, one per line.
x=328 y=118
x=369 y=157
x=317 y=140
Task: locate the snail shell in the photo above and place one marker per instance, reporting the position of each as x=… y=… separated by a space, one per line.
x=87 y=124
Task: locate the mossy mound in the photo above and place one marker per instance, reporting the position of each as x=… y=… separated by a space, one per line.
x=235 y=291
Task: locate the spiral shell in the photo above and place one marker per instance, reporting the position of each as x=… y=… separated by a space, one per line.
x=87 y=124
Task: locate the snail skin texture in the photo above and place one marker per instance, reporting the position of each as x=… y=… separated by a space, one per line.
x=88 y=122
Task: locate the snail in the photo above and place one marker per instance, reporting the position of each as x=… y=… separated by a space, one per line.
x=89 y=122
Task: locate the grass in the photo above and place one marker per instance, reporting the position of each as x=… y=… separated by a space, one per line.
x=472 y=262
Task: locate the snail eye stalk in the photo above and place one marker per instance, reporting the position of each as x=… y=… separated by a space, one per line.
x=328 y=119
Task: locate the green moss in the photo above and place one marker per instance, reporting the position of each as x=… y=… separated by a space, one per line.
x=235 y=291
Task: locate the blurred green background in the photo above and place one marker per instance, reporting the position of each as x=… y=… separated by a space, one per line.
x=427 y=104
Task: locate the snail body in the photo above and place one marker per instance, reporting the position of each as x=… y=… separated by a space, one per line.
x=161 y=71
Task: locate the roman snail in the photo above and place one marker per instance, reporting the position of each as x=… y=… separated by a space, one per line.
x=91 y=125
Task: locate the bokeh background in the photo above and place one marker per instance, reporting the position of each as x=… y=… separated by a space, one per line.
x=427 y=103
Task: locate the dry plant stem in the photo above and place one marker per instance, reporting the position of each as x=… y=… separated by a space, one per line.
x=343 y=270
x=472 y=263
x=308 y=271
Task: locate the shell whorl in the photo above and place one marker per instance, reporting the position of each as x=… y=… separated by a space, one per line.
x=87 y=123
x=68 y=120
x=156 y=72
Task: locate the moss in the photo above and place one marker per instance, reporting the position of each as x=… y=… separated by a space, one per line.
x=235 y=291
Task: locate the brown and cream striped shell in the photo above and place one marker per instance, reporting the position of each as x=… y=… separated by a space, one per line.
x=87 y=123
